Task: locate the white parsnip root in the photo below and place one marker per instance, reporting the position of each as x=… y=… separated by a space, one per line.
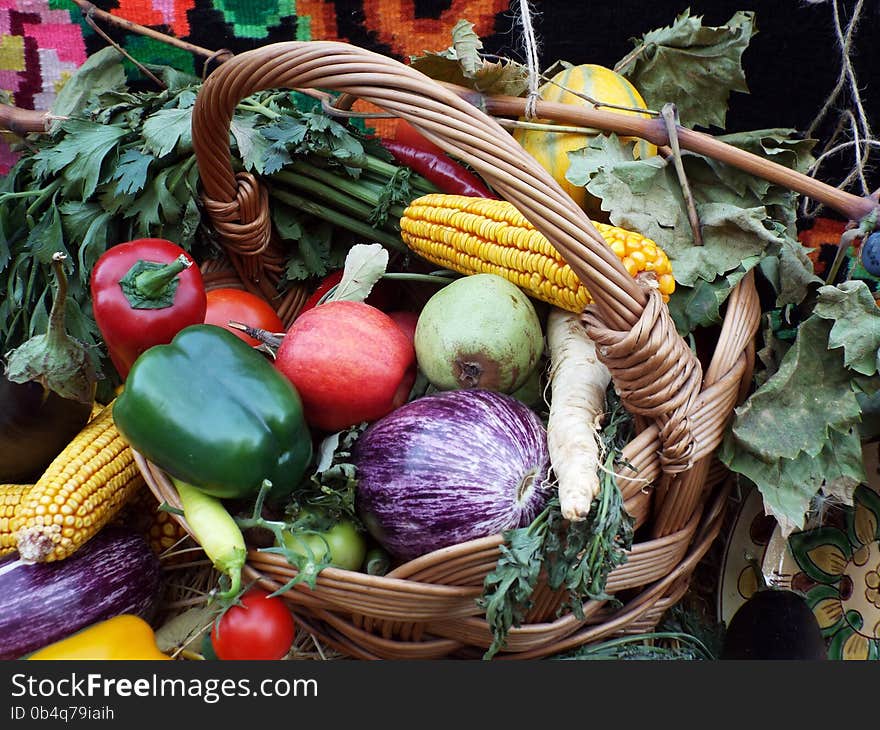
x=578 y=383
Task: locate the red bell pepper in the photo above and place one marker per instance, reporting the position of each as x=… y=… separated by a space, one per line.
x=439 y=168
x=143 y=293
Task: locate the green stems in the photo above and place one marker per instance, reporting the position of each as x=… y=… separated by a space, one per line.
x=357 y=196
x=386 y=170
x=340 y=219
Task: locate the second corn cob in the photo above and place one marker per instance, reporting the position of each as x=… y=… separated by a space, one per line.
x=10 y=497
x=83 y=488
x=482 y=235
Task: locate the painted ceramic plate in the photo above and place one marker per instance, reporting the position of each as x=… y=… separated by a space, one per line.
x=836 y=565
x=748 y=538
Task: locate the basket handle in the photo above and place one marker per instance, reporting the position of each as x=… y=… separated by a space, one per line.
x=652 y=366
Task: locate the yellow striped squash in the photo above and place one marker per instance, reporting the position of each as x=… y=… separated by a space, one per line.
x=551 y=149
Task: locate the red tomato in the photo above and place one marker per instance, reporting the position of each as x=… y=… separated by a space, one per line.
x=405 y=133
x=260 y=628
x=237 y=305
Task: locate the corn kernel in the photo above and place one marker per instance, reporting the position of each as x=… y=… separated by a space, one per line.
x=666 y=284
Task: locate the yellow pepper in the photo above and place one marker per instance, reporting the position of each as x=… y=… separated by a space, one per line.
x=122 y=637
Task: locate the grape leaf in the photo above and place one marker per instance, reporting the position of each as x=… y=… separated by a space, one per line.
x=645 y=196
x=788 y=486
x=798 y=432
x=695 y=67
x=783 y=146
x=810 y=394
x=796 y=273
x=730 y=235
x=462 y=64
x=700 y=305
x=467 y=45
x=641 y=195
x=856 y=325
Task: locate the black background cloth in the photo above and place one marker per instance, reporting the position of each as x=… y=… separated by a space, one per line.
x=791 y=64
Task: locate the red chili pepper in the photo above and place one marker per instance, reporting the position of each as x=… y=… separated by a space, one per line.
x=406 y=133
x=143 y=293
x=447 y=174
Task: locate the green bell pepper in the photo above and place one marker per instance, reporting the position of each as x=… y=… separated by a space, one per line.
x=213 y=412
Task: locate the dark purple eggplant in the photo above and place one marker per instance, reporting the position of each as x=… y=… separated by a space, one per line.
x=451 y=467
x=113 y=573
x=35 y=425
x=46 y=394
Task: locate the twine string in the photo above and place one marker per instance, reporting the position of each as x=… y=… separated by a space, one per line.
x=853 y=122
x=530 y=44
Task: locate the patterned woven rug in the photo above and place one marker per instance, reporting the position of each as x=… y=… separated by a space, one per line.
x=43 y=41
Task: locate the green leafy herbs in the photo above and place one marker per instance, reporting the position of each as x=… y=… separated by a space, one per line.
x=463 y=64
x=798 y=433
x=696 y=67
x=856 y=324
x=120 y=166
x=575 y=557
x=92 y=182
x=101 y=71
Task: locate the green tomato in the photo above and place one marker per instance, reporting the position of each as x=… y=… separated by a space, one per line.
x=347 y=545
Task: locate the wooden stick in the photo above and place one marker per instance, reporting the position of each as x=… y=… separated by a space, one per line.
x=23 y=121
x=852 y=206
x=669 y=115
x=143 y=69
x=89 y=10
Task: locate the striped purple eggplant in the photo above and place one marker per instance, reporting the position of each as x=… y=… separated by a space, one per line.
x=451 y=467
x=115 y=572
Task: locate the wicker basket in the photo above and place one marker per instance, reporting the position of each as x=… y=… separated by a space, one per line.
x=426 y=608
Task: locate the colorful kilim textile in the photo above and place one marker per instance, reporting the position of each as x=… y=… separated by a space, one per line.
x=43 y=41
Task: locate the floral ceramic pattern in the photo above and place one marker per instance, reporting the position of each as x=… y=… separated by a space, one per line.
x=841 y=577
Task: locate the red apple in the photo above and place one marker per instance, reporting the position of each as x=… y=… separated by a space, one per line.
x=349 y=361
x=406 y=321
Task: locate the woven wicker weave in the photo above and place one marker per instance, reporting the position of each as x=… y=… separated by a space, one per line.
x=426 y=608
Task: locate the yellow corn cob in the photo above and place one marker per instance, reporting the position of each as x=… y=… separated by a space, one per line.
x=165 y=532
x=83 y=488
x=10 y=496
x=481 y=235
